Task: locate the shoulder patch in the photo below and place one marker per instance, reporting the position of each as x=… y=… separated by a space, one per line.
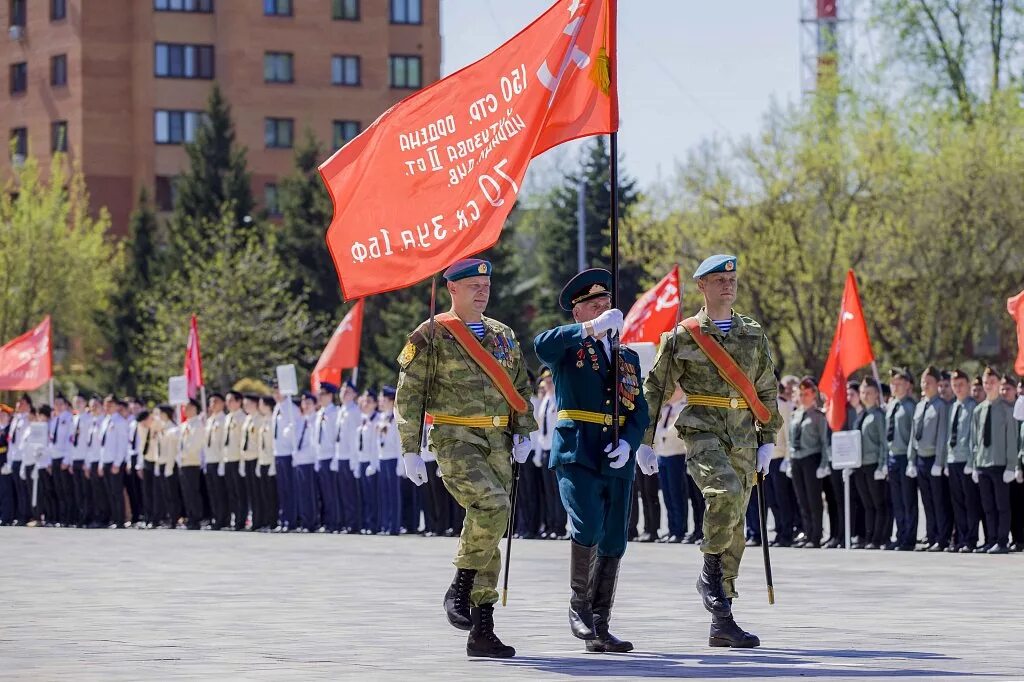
x=407 y=355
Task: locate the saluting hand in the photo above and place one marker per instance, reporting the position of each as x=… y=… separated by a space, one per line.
x=608 y=322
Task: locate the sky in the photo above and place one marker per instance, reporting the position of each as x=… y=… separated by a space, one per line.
x=689 y=69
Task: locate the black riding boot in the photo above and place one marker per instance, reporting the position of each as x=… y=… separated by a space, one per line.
x=709 y=585
x=482 y=640
x=581 y=617
x=456 y=599
x=726 y=633
x=606 y=575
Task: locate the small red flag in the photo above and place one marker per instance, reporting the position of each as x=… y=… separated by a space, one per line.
x=1015 y=306
x=851 y=350
x=654 y=313
x=434 y=178
x=193 y=360
x=25 y=362
x=342 y=351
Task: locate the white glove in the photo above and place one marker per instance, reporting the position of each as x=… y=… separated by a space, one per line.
x=371 y=470
x=911 y=470
x=1019 y=476
x=222 y=469
x=974 y=476
x=764 y=458
x=881 y=474
x=1009 y=476
x=273 y=469
x=785 y=466
x=647 y=460
x=538 y=461
x=334 y=465
x=945 y=471
x=619 y=455
x=316 y=466
x=21 y=473
x=258 y=474
x=823 y=471
x=968 y=469
x=5 y=470
x=522 y=448
x=357 y=471
x=415 y=468
x=241 y=469
x=156 y=470
x=607 y=322
x=936 y=470
x=169 y=469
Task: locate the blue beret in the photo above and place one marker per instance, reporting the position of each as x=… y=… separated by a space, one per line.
x=328 y=387
x=470 y=267
x=585 y=286
x=350 y=384
x=308 y=395
x=719 y=263
x=370 y=393
x=388 y=392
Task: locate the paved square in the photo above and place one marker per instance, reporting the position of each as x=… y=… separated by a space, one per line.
x=148 y=605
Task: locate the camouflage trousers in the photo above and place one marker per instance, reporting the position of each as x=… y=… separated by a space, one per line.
x=725 y=476
x=479 y=478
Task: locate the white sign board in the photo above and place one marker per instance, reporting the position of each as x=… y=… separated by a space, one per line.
x=287 y=382
x=846 y=449
x=647 y=352
x=177 y=390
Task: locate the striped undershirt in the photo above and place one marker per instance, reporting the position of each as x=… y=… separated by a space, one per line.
x=723 y=325
x=477 y=328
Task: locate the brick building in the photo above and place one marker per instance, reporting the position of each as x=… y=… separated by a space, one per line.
x=120 y=84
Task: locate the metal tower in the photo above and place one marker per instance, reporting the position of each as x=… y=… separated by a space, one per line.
x=826 y=43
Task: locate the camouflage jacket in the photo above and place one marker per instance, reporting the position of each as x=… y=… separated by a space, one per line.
x=691 y=369
x=458 y=386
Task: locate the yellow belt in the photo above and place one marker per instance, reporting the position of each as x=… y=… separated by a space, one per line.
x=590 y=417
x=472 y=422
x=717 y=401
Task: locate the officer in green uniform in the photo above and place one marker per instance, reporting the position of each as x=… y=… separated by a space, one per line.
x=724 y=443
x=594 y=472
x=475 y=430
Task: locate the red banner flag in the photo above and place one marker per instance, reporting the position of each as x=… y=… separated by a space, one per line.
x=1015 y=306
x=655 y=312
x=25 y=362
x=851 y=350
x=433 y=179
x=193 y=360
x=342 y=351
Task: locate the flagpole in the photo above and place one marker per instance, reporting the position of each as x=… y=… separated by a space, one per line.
x=614 y=172
x=51 y=391
x=430 y=354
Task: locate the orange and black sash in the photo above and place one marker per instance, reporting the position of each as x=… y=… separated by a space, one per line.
x=728 y=368
x=487 y=362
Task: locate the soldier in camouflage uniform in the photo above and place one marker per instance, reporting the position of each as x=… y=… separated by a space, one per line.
x=474 y=432
x=724 y=444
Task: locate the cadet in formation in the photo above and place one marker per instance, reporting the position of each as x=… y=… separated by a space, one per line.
x=594 y=470
x=729 y=427
x=479 y=399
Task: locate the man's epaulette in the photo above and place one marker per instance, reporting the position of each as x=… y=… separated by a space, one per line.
x=418 y=340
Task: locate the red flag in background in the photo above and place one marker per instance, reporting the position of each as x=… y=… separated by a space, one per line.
x=433 y=179
x=1015 y=306
x=193 y=360
x=655 y=312
x=25 y=362
x=851 y=350
x=342 y=351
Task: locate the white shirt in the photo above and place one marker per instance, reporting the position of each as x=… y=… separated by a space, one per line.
x=304 y=451
x=114 y=440
x=389 y=443
x=546 y=416
x=61 y=434
x=17 y=437
x=284 y=421
x=1018 y=409
x=667 y=442
x=369 y=447
x=80 y=427
x=349 y=421
x=92 y=440
x=326 y=432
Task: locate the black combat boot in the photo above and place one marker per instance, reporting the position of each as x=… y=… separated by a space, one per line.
x=726 y=633
x=456 y=599
x=710 y=588
x=483 y=642
x=581 y=618
x=606 y=575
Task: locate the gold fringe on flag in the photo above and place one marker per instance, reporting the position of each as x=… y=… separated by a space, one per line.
x=601 y=73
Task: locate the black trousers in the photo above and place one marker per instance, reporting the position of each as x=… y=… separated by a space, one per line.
x=46 y=496
x=62 y=492
x=115 y=493
x=779 y=491
x=555 y=517
x=171 y=496
x=253 y=499
x=7 y=500
x=963 y=493
x=22 y=492
x=268 y=497
x=133 y=486
x=995 y=500
x=808 y=494
x=412 y=505
x=100 y=501
x=216 y=488
x=530 y=499
x=871 y=494
x=1017 y=511
x=833 y=488
x=236 y=495
x=935 y=498
x=438 y=502
x=147 y=490
x=190 y=492
x=645 y=492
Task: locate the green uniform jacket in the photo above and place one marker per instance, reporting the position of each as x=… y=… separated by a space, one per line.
x=873 y=448
x=809 y=435
x=960 y=418
x=1001 y=451
x=458 y=387
x=691 y=369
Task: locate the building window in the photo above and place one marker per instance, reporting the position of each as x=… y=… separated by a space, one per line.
x=59 y=70
x=18 y=13
x=176 y=127
x=204 y=6
x=406 y=72
x=58 y=10
x=277 y=8
x=345 y=132
x=270 y=199
x=166 y=192
x=183 y=61
x=19 y=139
x=345 y=70
x=345 y=10
x=278 y=132
x=19 y=78
x=277 y=67
x=59 y=136
x=406 y=11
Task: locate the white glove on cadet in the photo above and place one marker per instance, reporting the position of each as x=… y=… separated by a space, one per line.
x=764 y=458
x=784 y=467
x=610 y=321
x=522 y=448
x=357 y=470
x=415 y=468
x=241 y=469
x=1009 y=475
x=912 y=470
x=881 y=474
x=222 y=469
x=619 y=456
x=974 y=477
x=823 y=471
x=647 y=460
x=936 y=470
